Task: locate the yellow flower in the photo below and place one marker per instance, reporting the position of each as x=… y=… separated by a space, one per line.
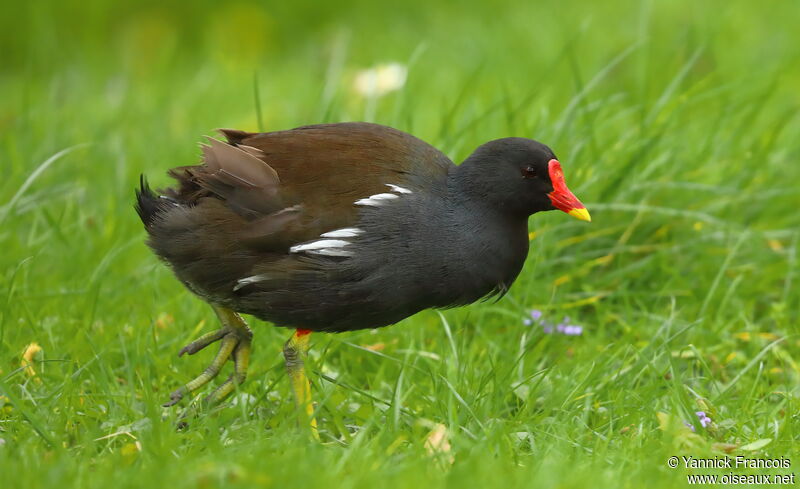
x=32 y=352
x=437 y=443
x=164 y=320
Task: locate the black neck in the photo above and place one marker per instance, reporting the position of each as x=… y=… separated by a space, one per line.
x=497 y=238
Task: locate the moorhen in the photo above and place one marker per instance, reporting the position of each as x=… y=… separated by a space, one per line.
x=339 y=227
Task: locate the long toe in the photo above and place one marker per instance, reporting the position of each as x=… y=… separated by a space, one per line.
x=203 y=341
x=241 y=360
x=226 y=348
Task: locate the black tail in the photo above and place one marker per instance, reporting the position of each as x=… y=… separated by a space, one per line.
x=148 y=204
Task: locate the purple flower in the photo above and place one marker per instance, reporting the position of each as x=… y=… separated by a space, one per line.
x=534 y=314
x=705 y=421
x=564 y=327
x=569 y=329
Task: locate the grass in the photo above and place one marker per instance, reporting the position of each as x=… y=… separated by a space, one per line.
x=676 y=123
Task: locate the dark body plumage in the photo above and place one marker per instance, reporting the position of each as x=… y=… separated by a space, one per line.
x=346 y=226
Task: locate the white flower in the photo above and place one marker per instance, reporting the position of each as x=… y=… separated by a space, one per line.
x=381 y=79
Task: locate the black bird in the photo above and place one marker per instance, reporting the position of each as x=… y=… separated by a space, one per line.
x=339 y=227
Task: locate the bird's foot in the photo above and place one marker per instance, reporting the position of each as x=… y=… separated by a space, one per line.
x=235 y=343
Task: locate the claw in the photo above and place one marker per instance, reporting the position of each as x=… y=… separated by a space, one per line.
x=174 y=398
x=235 y=338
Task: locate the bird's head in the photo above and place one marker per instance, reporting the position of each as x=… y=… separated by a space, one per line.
x=522 y=176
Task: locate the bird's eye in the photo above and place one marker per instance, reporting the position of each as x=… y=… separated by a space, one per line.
x=528 y=172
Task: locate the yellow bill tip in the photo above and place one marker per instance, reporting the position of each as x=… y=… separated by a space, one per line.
x=582 y=214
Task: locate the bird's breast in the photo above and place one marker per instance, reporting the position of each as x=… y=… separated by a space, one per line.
x=425 y=252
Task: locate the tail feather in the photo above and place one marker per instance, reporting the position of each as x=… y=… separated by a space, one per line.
x=148 y=204
x=235 y=136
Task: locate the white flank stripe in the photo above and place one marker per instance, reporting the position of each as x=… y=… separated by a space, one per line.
x=399 y=189
x=343 y=233
x=376 y=200
x=332 y=252
x=319 y=245
x=243 y=282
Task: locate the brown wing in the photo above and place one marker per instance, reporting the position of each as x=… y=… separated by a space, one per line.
x=291 y=186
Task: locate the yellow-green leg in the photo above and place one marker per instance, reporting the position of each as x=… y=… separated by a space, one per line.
x=294 y=353
x=235 y=343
